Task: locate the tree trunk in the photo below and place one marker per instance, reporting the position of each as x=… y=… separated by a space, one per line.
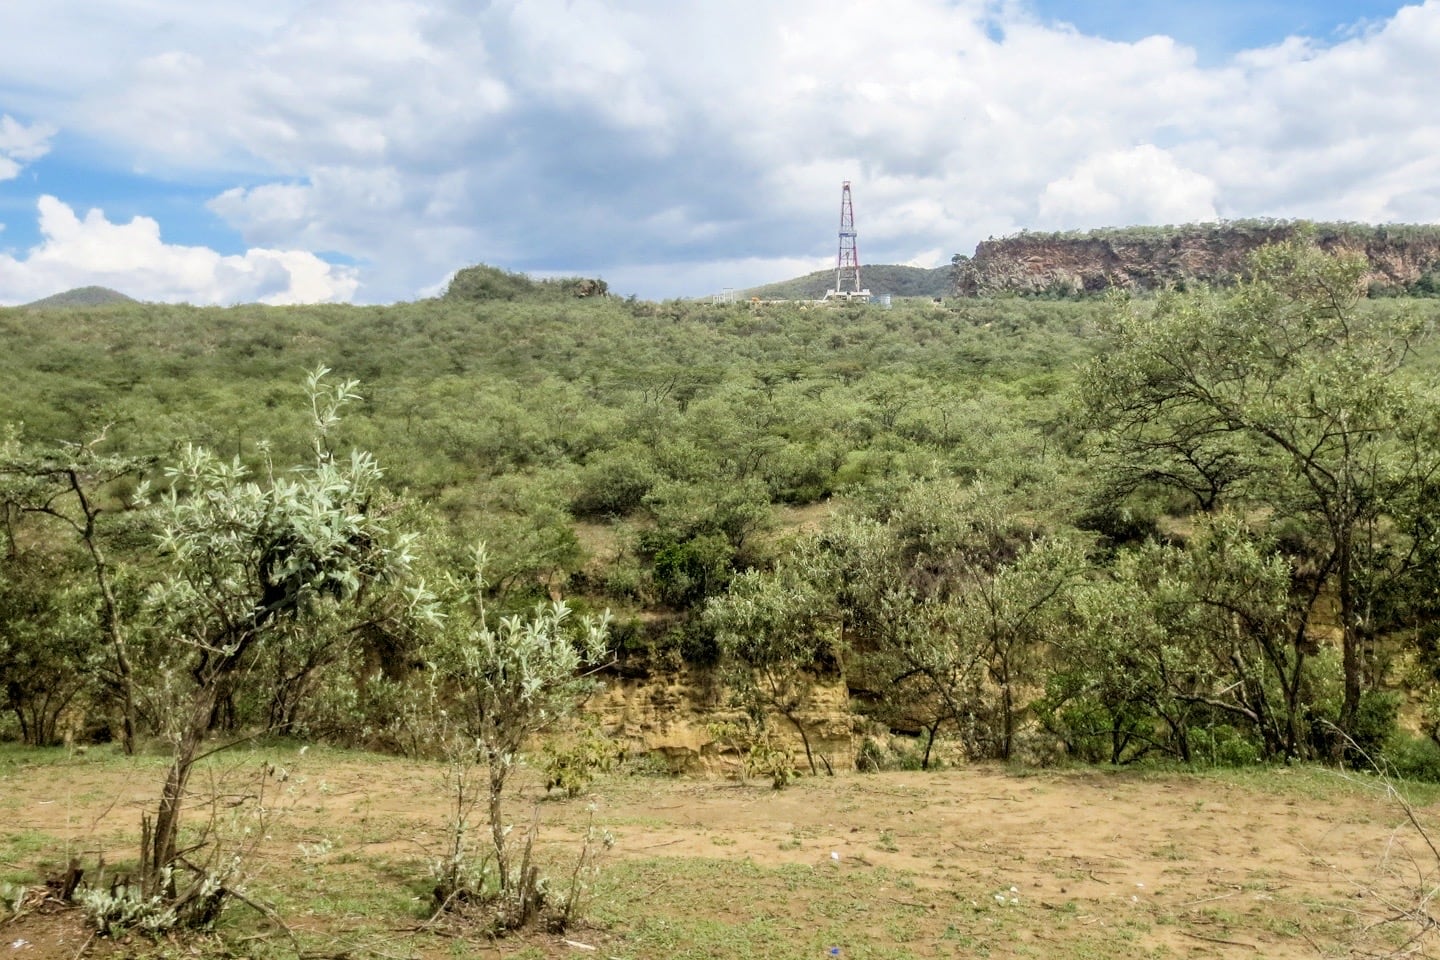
x=1007 y=718
x=114 y=629
x=805 y=740
x=162 y=847
x=1349 y=641
x=498 y=772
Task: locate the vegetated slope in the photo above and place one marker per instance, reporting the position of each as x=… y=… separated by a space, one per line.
x=1403 y=258
x=82 y=297
x=635 y=453
x=634 y=456
x=518 y=417
x=892 y=279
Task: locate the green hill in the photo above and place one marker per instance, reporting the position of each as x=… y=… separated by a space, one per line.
x=82 y=297
x=896 y=280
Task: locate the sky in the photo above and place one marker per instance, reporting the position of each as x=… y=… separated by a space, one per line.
x=291 y=151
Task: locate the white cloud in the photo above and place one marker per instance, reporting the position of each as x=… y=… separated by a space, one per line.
x=20 y=145
x=1140 y=185
x=132 y=258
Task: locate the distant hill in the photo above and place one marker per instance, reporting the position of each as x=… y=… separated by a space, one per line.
x=896 y=280
x=82 y=297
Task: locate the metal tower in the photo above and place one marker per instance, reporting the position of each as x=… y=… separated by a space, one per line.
x=847 y=261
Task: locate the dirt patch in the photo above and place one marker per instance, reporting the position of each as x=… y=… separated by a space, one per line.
x=966 y=862
x=49 y=933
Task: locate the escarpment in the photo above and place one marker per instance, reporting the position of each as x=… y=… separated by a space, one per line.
x=1402 y=258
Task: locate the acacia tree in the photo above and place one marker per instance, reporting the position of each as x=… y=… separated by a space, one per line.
x=250 y=557
x=1279 y=395
x=1173 y=635
x=951 y=596
x=68 y=485
x=50 y=649
x=777 y=631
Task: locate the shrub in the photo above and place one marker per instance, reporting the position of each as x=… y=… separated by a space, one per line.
x=572 y=764
x=1410 y=757
x=769 y=757
x=1222 y=745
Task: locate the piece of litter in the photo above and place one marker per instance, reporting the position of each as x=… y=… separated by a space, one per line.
x=577 y=944
x=999 y=898
x=1140 y=885
x=1014 y=889
x=1134 y=899
x=1014 y=899
x=19 y=943
x=834 y=855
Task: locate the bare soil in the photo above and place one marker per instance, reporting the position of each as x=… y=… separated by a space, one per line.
x=979 y=861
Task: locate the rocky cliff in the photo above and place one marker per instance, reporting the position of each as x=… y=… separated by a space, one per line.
x=1402 y=258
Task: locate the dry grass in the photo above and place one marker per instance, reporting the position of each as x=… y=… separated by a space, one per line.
x=980 y=862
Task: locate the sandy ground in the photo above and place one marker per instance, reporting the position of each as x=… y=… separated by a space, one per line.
x=982 y=861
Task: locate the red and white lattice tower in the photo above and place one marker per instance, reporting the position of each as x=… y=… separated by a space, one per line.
x=847 y=261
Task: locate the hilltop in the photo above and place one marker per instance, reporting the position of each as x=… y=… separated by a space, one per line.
x=894 y=279
x=483 y=282
x=82 y=297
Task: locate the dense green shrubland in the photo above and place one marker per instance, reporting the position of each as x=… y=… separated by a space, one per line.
x=1018 y=524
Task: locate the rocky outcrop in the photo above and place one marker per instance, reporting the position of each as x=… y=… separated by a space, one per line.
x=1149 y=258
x=671 y=714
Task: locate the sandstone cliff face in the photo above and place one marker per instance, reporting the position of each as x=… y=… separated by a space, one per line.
x=1151 y=258
x=669 y=714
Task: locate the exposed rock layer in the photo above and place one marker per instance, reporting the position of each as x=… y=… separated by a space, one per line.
x=671 y=714
x=1150 y=258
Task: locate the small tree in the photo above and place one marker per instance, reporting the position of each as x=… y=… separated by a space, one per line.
x=777 y=631
x=50 y=649
x=250 y=558
x=1280 y=398
x=950 y=601
x=67 y=484
x=504 y=681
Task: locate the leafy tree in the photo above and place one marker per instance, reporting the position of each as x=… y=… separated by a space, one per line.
x=702 y=533
x=50 y=646
x=952 y=595
x=1173 y=637
x=777 y=632
x=249 y=559
x=1277 y=395
x=69 y=485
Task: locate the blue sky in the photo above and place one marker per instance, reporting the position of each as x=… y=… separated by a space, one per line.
x=1218 y=29
x=362 y=150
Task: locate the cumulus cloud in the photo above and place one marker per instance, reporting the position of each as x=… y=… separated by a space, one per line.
x=20 y=144
x=132 y=258
x=1140 y=185
x=690 y=142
